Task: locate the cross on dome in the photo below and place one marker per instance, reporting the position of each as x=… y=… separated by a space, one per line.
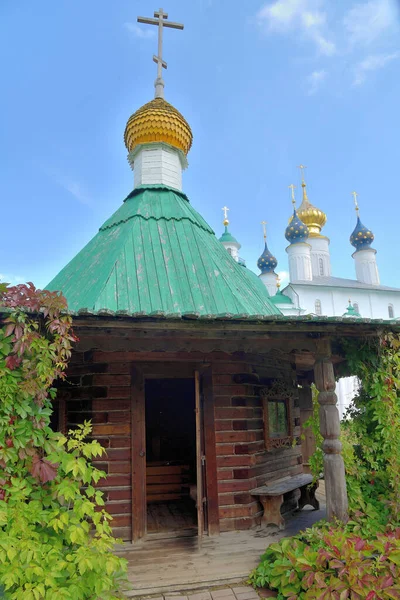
x=302 y=167
x=293 y=187
x=264 y=226
x=225 y=211
x=354 y=194
x=160 y=21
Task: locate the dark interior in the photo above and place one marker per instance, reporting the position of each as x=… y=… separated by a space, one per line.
x=171 y=455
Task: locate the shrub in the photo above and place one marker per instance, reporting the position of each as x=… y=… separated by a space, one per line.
x=332 y=563
x=55 y=537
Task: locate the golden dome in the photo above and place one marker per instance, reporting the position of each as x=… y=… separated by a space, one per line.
x=311 y=216
x=158 y=121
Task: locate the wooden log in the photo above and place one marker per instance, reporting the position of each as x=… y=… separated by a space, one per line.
x=335 y=481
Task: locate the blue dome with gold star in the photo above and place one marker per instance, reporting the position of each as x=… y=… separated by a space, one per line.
x=267 y=261
x=362 y=237
x=296 y=232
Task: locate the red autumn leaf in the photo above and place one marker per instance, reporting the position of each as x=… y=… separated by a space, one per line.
x=371 y=595
x=360 y=544
x=387 y=581
x=43 y=469
x=9 y=329
x=12 y=362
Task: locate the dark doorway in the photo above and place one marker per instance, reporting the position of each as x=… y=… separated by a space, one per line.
x=171 y=456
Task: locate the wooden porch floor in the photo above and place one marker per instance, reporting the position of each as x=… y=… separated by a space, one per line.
x=175 y=564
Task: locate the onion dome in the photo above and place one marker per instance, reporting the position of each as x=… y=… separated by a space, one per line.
x=351 y=311
x=280 y=298
x=296 y=232
x=362 y=237
x=228 y=237
x=267 y=262
x=313 y=217
x=158 y=121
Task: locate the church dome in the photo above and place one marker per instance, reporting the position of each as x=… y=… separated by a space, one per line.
x=228 y=238
x=267 y=262
x=158 y=121
x=362 y=237
x=313 y=217
x=296 y=232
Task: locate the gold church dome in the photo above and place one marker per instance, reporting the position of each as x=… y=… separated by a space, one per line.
x=311 y=216
x=158 y=121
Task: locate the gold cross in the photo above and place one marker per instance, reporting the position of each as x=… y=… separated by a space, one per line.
x=264 y=223
x=354 y=194
x=292 y=187
x=302 y=167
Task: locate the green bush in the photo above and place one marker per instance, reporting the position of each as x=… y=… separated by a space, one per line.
x=359 y=559
x=331 y=563
x=55 y=537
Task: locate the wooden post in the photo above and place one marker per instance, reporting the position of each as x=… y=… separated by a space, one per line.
x=210 y=451
x=335 y=481
x=138 y=433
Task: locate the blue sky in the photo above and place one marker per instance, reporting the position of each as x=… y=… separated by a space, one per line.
x=264 y=86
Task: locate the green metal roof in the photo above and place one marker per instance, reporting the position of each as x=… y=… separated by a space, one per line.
x=157 y=256
x=351 y=311
x=228 y=237
x=280 y=298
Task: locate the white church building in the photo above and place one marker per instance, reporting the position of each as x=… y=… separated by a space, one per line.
x=312 y=288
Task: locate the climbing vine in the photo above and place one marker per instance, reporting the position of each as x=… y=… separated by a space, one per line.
x=55 y=536
x=359 y=559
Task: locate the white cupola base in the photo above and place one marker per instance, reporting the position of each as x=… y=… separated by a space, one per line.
x=320 y=256
x=233 y=249
x=366 y=267
x=299 y=262
x=270 y=280
x=157 y=162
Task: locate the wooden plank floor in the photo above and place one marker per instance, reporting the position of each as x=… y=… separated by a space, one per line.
x=174 y=564
x=172 y=516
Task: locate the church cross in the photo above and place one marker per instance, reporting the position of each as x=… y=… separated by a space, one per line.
x=225 y=211
x=354 y=194
x=160 y=21
x=292 y=187
x=264 y=226
x=302 y=167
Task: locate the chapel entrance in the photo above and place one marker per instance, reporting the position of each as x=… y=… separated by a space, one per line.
x=173 y=456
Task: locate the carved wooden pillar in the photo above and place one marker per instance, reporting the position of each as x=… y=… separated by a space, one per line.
x=335 y=481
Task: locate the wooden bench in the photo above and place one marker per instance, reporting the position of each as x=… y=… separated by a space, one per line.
x=271 y=496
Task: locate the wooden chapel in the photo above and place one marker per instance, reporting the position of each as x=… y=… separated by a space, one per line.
x=195 y=383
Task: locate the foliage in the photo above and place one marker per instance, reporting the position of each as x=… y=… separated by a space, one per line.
x=316 y=460
x=331 y=564
x=371 y=432
x=360 y=559
x=55 y=537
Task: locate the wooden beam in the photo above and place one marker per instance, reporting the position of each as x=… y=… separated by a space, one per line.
x=335 y=481
x=210 y=451
x=138 y=441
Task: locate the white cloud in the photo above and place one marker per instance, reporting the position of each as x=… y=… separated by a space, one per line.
x=143 y=33
x=12 y=279
x=314 y=81
x=367 y=21
x=75 y=189
x=284 y=277
x=372 y=63
x=307 y=15
x=71 y=185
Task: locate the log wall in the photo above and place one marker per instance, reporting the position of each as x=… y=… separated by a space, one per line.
x=242 y=460
x=98 y=387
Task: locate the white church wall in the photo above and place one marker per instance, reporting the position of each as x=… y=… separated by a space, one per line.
x=372 y=304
